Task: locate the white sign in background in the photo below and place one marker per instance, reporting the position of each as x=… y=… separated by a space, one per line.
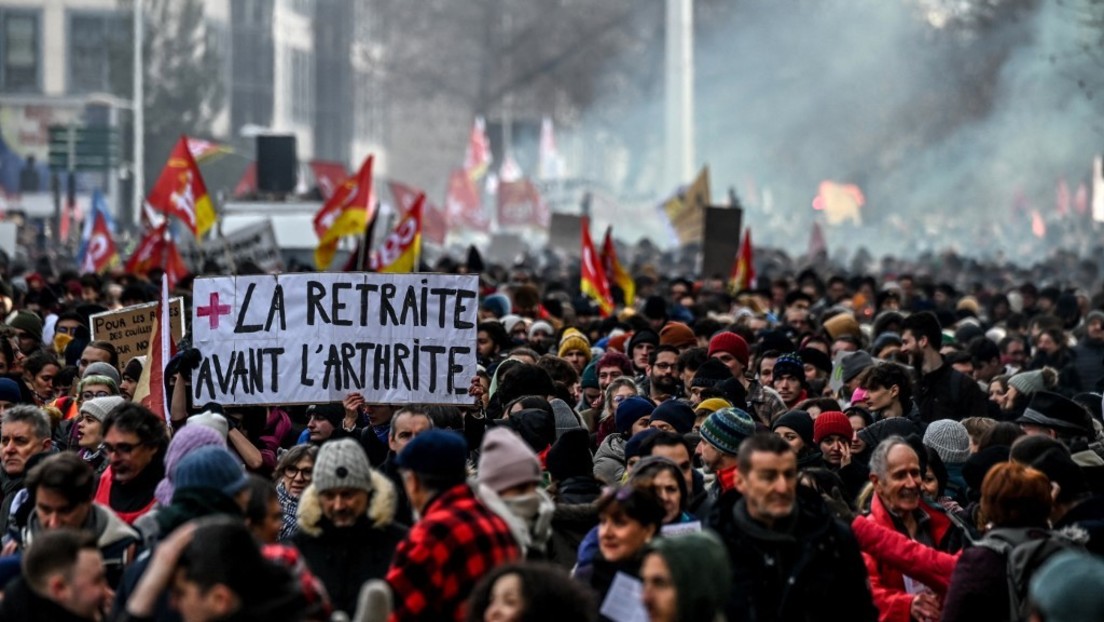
x=314 y=338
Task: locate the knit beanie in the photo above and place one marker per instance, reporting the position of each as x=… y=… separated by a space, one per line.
x=701 y=571
x=497 y=304
x=133 y=369
x=185 y=441
x=1028 y=382
x=676 y=413
x=506 y=461
x=589 y=378
x=854 y=363
x=333 y=412
x=211 y=419
x=885 y=340
x=572 y=339
x=842 y=324
x=678 y=335
x=790 y=365
x=799 y=421
x=541 y=327
x=1066 y=588
x=9 y=391
x=510 y=321
x=711 y=373
x=211 y=468
x=613 y=358
x=727 y=428
x=100 y=407
x=949 y=439
x=442 y=453
x=635 y=445
x=832 y=422
x=630 y=411
x=342 y=464
x=28 y=322
x=731 y=343
x=655 y=308
x=642 y=336
x=570 y=456
x=713 y=404
x=816 y=358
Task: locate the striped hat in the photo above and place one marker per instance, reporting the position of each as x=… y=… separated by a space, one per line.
x=726 y=428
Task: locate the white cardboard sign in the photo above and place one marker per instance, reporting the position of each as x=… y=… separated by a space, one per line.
x=314 y=338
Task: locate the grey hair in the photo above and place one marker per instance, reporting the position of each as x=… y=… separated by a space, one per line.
x=879 y=459
x=617 y=383
x=25 y=413
x=293 y=455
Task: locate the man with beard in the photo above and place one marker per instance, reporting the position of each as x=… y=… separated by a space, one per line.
x=663 y=382
x=721 y=435
x=941 y=392
x=897 y=504
x=789 y=555
x=346 y=529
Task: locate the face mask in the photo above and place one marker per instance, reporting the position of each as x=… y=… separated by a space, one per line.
x=61 y=340
x=525 y=507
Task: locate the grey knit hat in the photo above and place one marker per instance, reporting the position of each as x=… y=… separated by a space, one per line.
x=1028 y=382
x=949 y=439
x=342 y=464
x=101 y=407
x=99 y=368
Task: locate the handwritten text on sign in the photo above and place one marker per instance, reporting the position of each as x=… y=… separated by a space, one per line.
x=314 y=338
x=129 y=328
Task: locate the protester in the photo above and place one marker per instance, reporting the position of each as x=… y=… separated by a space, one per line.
x=789 y=556
x=941 y=392
x=530 y=592
x=509 y=478
x=63 y=580
x=345 y=516
x=686 y=578
x=135 y=441
x=456 y=541
x=24 y=440
x=294 y=473
x=721 y=435
x=90 y=434
x=632 y=416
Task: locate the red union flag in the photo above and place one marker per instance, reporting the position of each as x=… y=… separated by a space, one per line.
x=147 y=255
x=434 y=218
x=463 y=202
x=180 y=191
x=328 y=176
x=519 y=204
x=593 y=281
x=100 y=250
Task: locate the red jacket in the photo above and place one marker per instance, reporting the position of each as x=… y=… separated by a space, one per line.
x=887 y=582
x=457 y=542
x=894 y=549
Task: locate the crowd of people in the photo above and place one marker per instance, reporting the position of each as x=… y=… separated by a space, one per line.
x=827 y=447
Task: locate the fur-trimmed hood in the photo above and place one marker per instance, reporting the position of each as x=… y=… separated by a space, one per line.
x=381 y=506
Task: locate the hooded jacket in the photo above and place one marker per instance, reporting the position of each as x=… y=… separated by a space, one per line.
x=609 y=460
x=343 y=558
x=118 y=542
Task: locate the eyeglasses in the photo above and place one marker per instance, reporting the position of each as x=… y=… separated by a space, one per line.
x=91 y=395
x=121 y=448
x=293 y=472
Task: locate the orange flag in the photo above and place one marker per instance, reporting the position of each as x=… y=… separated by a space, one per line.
x=618 y=275
x=593 y=281
x=742 y=276
x=180 y=191
x=346 y=212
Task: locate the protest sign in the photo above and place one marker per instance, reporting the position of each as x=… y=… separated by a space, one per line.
x=315 y=338
x=256 y=243
x=129 y=328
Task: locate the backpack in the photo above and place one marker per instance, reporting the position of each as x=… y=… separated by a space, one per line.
x=1025 y=550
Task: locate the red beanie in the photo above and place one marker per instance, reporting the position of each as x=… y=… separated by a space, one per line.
x=731 y=343
x=832 y=422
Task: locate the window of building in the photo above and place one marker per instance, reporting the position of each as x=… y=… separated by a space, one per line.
x=20 y=51
x=99 y=53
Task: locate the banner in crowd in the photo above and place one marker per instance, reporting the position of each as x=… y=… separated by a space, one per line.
x=686 y=210
x=314 y=338
x=129 y=328
x=256 y=243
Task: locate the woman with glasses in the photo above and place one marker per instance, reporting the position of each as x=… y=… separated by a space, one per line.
x=293 y=474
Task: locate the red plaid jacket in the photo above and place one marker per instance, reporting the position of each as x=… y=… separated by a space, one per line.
x=457 y=541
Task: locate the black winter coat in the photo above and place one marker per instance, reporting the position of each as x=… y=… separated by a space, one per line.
x=344 y=558
x=812 y=570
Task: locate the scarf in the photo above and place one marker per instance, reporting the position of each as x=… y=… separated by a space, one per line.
x=290 y=506
x=727 y=479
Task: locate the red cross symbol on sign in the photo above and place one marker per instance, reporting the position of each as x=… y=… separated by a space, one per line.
x=213 y=310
